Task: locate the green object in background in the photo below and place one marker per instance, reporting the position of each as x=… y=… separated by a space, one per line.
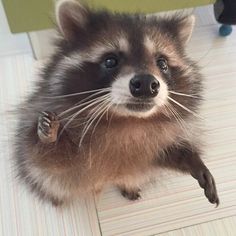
x=28 y=15
x=31 y=15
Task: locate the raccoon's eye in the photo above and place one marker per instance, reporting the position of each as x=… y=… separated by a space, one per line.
x=111 y=62
x=162 y=64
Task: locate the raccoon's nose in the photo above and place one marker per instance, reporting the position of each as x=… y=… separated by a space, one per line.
x=144 y=86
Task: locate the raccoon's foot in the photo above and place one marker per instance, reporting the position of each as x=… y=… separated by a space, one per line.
x=132 y=195
x=56 y=202
x=207 y=182
x=48 y=125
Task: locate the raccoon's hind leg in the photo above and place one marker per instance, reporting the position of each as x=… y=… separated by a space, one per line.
x=131 y=194
x=48 y=125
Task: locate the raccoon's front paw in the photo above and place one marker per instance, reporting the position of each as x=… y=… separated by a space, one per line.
x=48 y=125
x=207 y=182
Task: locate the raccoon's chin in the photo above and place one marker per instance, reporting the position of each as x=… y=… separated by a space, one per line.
x=139 y=107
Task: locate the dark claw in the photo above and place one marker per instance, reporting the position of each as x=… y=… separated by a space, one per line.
x=43 y=126
x=42 y=130
x=46 y=123
x=45 y=113
x=46 y=119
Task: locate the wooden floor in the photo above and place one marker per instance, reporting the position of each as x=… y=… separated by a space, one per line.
x=174 y=207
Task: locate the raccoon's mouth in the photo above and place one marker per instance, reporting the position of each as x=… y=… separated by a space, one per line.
x=140 y=106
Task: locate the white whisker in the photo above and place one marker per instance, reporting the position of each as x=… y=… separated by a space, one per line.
x=108 y=106
x=185 y=95
x=179 y=119
x=92 y=119
x=80 y=93
x=185 y=108
x=79 y=112
x=101 y=113
x=79 y=104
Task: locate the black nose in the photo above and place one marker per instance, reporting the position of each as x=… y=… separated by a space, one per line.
x=144 y=86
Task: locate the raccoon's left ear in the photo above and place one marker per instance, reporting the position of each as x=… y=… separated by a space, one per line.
x=72 y=18
x=185 y=27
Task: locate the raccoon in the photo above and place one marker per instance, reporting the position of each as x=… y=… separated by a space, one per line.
x=117 y=102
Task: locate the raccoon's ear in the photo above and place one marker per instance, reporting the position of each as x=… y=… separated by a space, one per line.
x=185 y=27
x=71 y=18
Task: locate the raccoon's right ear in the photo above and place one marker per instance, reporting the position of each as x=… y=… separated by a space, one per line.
x=71 y=18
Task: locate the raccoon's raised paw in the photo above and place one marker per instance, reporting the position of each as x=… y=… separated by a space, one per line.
x=132 y=195
x=48 y=125
x=207 y=182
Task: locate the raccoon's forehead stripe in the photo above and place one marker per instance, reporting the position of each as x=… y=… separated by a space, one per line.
x=163 y=46
x=149 y=44
x=159 y=44
x=123 y=44
x=96 y=51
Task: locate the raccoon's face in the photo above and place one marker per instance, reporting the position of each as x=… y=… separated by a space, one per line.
x=138 y=60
